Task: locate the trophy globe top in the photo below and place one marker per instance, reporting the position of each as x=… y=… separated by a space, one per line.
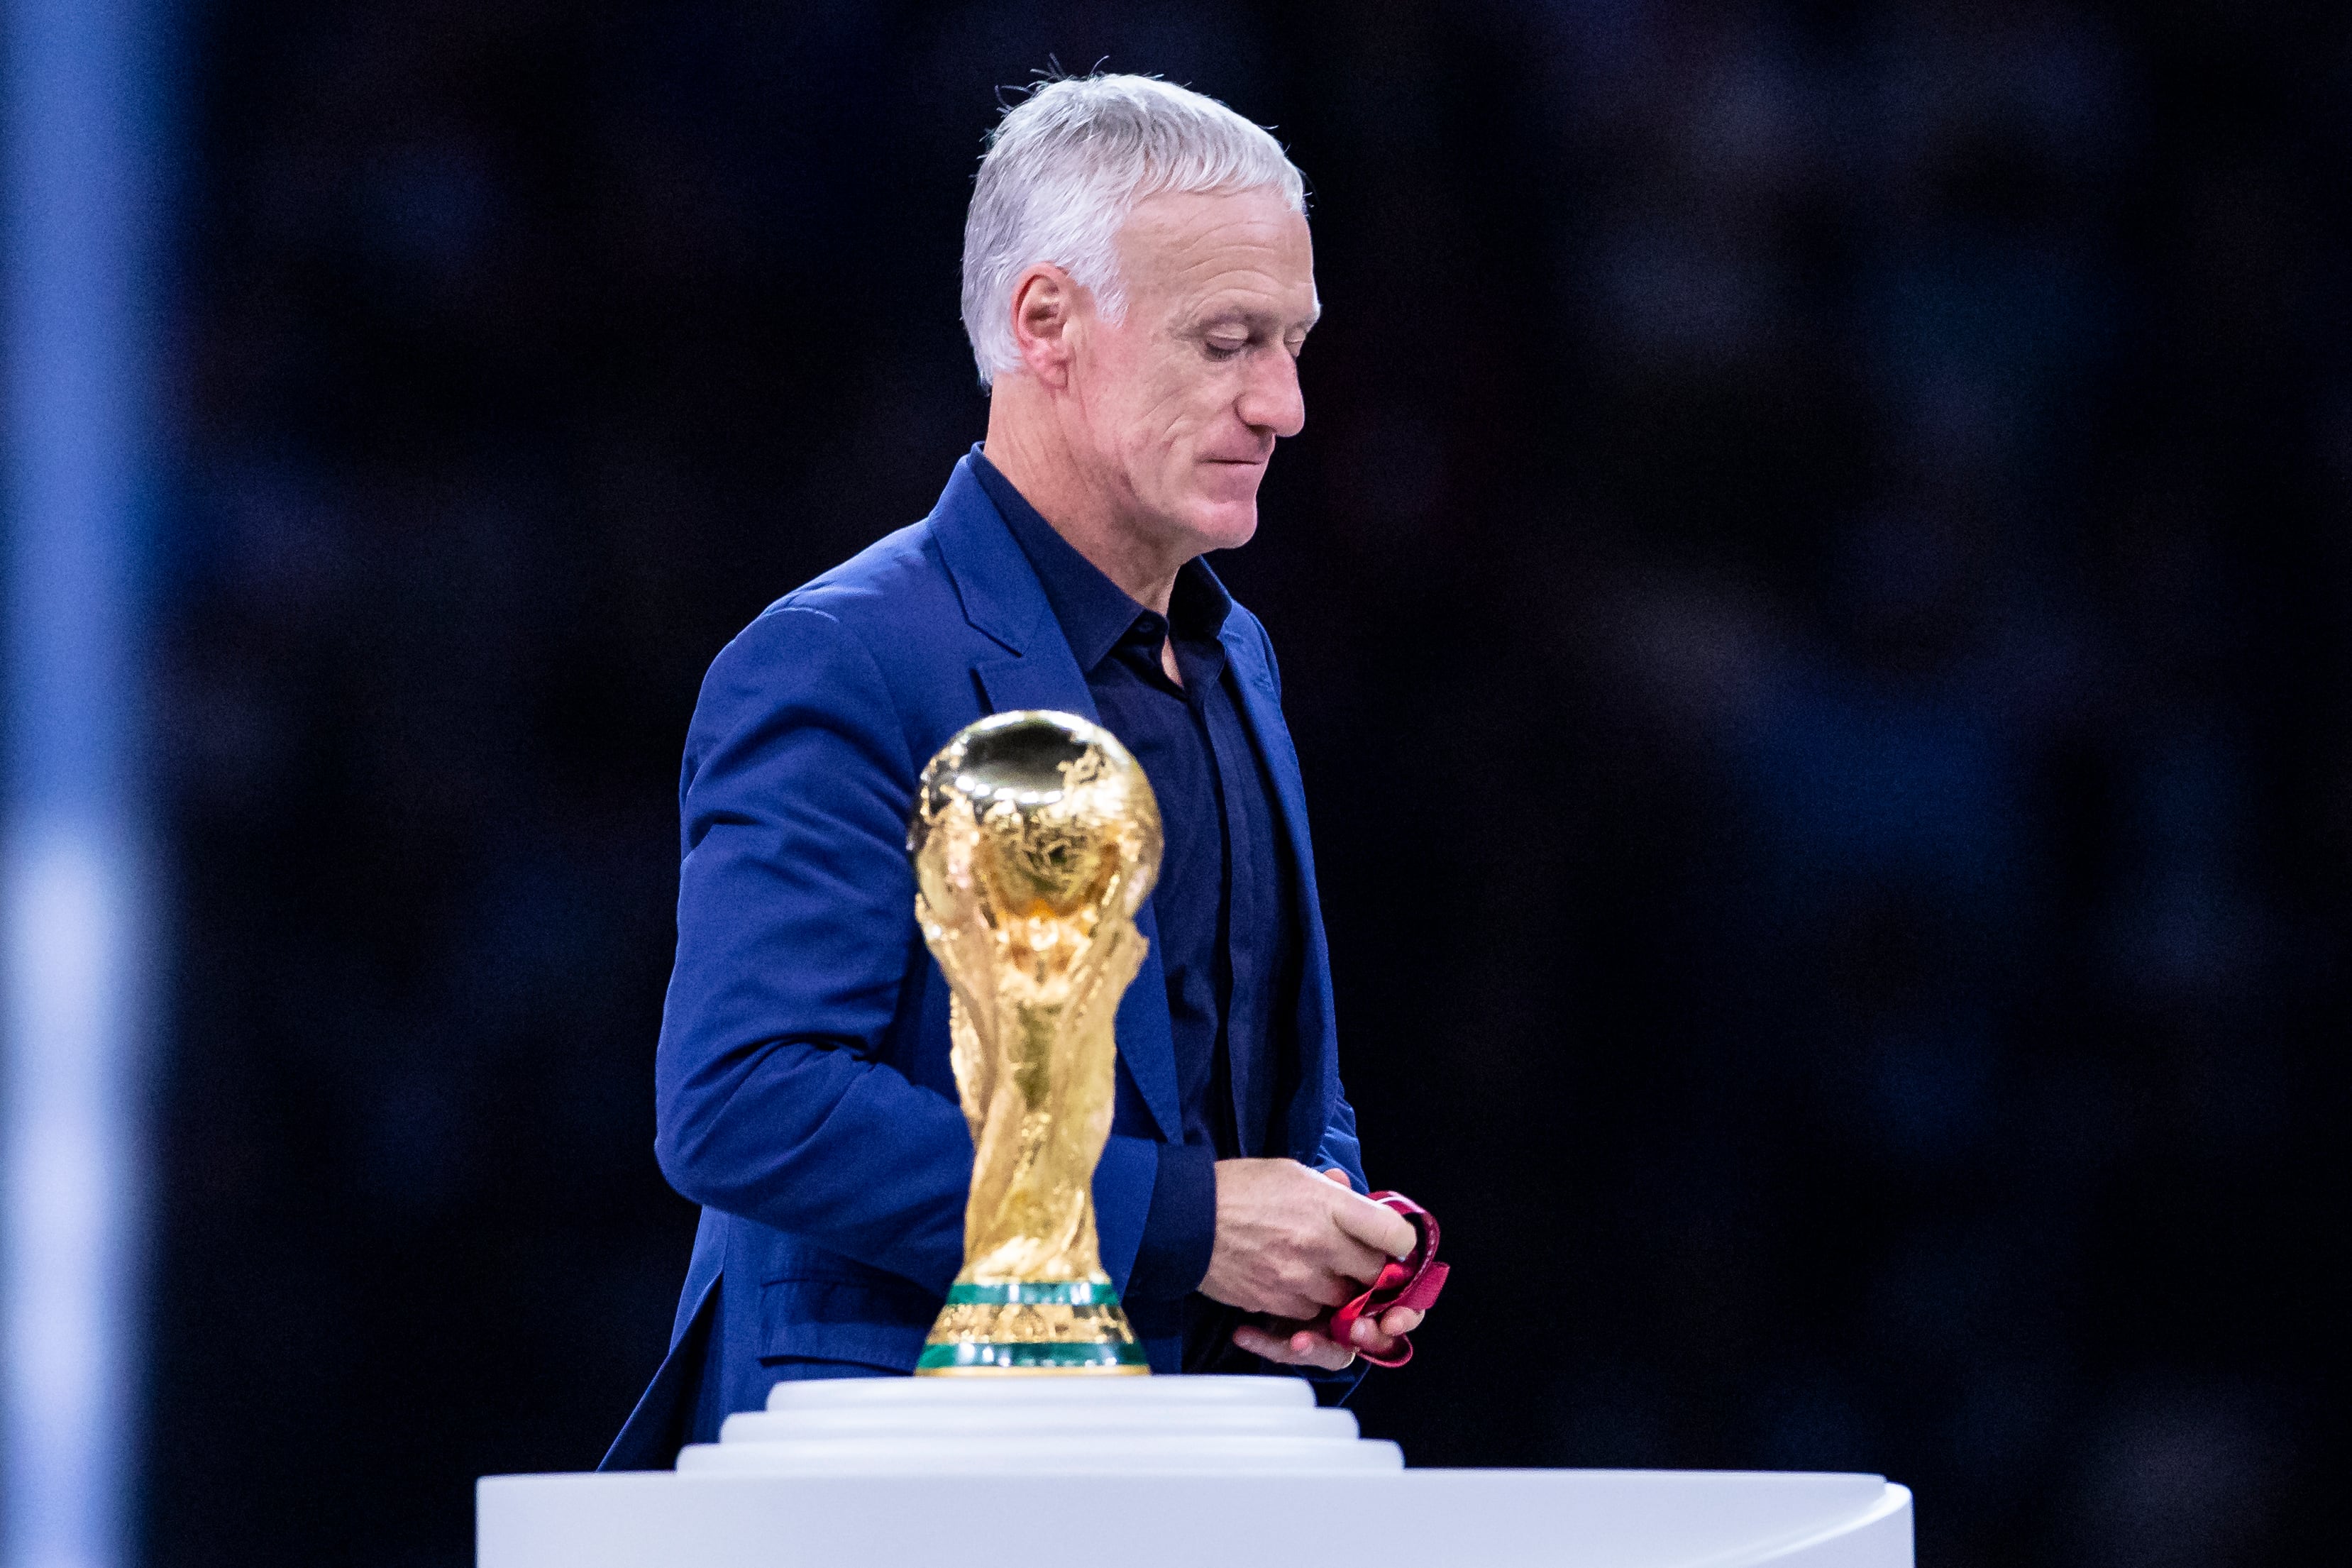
x=1036 y=817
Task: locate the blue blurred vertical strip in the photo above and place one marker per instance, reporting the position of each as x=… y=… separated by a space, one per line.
x=79 y=404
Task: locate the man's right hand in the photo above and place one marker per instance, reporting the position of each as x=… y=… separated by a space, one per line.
x=1291 y=1244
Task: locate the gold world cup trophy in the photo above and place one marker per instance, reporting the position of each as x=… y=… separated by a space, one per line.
x=1035 y=840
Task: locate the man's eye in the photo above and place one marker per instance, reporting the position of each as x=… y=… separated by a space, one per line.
x=1225 y=348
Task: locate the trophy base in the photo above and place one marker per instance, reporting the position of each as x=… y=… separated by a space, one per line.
x=971 y=1360
x=1060 y=1328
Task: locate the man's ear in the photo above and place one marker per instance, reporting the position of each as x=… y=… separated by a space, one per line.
x=1045 y=310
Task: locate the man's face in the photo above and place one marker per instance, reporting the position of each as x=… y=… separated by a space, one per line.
x=1181 y=401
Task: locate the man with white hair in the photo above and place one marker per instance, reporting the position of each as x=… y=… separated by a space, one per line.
x=1137 y=282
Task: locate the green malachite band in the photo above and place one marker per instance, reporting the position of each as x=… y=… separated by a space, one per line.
x=971 y=1357
x=1064 y=1293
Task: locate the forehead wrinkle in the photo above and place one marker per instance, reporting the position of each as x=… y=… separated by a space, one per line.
x=1163 y=254
x=1232 y=288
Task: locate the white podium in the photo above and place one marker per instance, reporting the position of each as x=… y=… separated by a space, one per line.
x=1148 y=1472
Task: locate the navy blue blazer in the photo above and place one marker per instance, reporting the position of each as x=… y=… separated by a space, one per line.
x=803 y=1092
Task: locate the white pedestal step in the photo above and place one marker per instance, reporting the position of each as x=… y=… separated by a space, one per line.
x=1041 y=1425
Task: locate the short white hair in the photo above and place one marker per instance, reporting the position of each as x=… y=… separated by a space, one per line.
x=1067 y=165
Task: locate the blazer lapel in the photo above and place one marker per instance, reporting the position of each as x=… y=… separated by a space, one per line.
x=1003 y=598
x=1046 y=678
x=1310 y=1107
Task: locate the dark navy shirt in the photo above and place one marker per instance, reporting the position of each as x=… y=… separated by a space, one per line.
x=1224 y=900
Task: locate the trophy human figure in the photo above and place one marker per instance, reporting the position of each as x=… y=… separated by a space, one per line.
x=1137 y=282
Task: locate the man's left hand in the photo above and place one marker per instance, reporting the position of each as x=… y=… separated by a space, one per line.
x=1294 y=1344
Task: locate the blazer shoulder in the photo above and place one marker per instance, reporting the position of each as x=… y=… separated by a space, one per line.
x=891 y=597
x=900 y=577
x=884 y=630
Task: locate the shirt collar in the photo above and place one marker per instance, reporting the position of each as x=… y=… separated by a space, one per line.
x=1095 y=613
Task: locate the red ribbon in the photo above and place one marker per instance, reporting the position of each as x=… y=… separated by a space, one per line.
x=1412 y=1280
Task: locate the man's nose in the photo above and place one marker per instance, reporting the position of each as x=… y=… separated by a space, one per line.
x=1272 y=399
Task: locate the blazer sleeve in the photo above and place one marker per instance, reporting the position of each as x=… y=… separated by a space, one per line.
x=1339 y=1147
x=796 y=936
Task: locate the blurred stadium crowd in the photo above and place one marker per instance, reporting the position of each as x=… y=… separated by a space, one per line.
x=1813 y=598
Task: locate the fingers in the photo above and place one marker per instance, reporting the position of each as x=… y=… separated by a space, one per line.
x=1375 y=1225
x=1320 y=1351
x=1302 y=1347
x=1381 y=1338
x=1327 y=1290
x=1354 y=1260
x=1365 y=1257
x=1304 y=1293
x=1301 y=1306
x=1295 y=1344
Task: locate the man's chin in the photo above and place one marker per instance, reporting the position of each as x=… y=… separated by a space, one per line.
x=1225 y=525
x=1225 y=508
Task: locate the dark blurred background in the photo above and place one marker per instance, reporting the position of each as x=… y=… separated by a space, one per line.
x=1814 y=599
